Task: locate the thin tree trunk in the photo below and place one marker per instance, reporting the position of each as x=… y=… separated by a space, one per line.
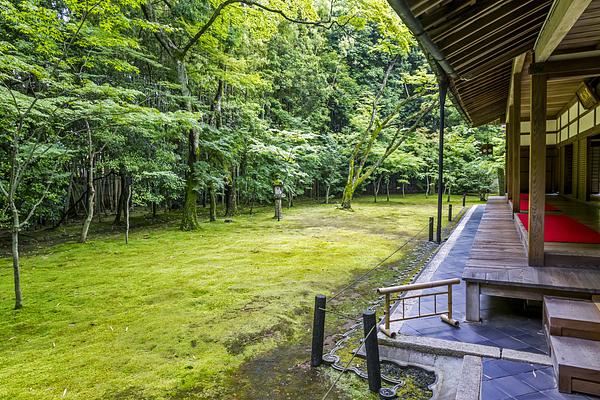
x=127 y=213
x=68 y=202
x=387 y=190
x=230 y=190
x=15 y=257
x=213 y=204
x=90 y=188
x=376 y=186
x=121 y=199
x=189 y=220
x=327 y=187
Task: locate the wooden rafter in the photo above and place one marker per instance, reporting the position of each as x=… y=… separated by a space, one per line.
x=562 y=17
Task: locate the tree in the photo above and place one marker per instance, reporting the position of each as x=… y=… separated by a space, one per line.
x=358 y=170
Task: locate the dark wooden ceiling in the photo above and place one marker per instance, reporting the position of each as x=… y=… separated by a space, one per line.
x=479 y=39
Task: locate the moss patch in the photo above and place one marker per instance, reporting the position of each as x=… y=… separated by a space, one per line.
x=177 y=310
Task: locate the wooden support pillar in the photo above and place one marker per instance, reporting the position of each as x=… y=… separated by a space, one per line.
x=509 y=151
x=537 y=170
x=516 y=145
x=504 y=189
x=473 y=302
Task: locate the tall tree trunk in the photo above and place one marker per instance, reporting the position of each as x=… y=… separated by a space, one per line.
x=347 y=196
x=387 y=190
x=189 y=219
x=128 y=199
x=327 y=187
x=67 y=205
x=90 y=188
x=376 y=186
x=15 y=257
x=120 y=199
x=230 y=193
x=427 y=188
x=215 y=107
x=212 y=196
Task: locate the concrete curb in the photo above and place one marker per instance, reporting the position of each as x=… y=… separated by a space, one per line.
x=469 y=387
x=441 y=346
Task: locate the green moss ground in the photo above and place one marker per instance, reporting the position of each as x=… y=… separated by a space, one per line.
x=175 y=311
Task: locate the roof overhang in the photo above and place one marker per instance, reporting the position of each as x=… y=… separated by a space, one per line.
x=480 y=45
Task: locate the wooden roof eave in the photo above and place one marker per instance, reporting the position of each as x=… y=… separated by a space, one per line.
x=437 y=61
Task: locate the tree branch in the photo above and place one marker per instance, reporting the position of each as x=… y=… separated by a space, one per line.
x=35 y=206
x=328 y=23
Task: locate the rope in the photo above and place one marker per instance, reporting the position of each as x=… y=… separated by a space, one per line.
x=379 y=264
x=348 y=364
x=339 y=314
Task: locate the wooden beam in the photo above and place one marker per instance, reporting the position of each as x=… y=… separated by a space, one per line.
x=516 y=132
x=567 y=68
x=537 y=170
x=562 y=17
x=517 y=68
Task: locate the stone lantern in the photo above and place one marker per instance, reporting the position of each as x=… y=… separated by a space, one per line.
x=278 y=195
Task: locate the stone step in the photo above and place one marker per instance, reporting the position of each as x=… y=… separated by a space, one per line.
x=570 y=317
x=576 y=364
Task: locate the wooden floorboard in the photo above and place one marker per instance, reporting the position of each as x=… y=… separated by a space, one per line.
x=498 y=258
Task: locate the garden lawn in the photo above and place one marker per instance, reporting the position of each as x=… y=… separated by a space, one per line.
x=175 y=311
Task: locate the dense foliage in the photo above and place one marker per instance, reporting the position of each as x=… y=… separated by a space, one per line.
x=110 y=103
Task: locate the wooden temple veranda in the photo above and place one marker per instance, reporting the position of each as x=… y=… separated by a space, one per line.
x=534 y=66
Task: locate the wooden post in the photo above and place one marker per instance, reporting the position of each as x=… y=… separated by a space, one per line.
x=516 y=143
x=509 y=152
x=318 y=334
x=431 y=229
x=450 y=302
x=443 y=87
x=537 y=170
x=372 y=350
x=473 y=302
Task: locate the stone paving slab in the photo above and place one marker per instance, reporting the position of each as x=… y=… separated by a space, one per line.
x=512 y=380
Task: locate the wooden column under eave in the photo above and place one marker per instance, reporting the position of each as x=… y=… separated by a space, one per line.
x=508 y=160
x=516 y=145
x=537 y=170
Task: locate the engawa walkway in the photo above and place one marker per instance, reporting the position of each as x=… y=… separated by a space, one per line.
x=506 y=324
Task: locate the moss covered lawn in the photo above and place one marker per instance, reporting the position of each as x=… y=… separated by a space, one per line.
x=177 y=312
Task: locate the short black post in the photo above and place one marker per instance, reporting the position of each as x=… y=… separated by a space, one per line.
x=372 y=350
x=431 y=229
x=449 y=212
x=464 y=199
x=318 y=331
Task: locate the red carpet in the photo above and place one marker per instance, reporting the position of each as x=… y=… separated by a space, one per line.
x=524 y=205
x=560 y=228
